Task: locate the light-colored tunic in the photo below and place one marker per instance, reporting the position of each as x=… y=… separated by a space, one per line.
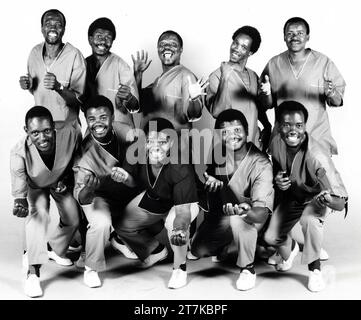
x=69 y=69
x=307 y=88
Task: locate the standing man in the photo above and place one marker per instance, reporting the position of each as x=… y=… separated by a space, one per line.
x=308 y=183
x=307 y=76
x=234 y=86
x=56 y=72
x=41 y=167
x=240 y=197
x=175 y=95
x=109 y=75
x=102 y=199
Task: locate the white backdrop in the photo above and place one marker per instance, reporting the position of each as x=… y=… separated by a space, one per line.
x=206 y=27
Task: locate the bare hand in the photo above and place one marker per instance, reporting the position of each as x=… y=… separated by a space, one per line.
x=238 y=209
x=60 y=187
x=330 y=88
x=91 y=181
x=124 y=92
x=178 y=238
x=26 y=82
x=324 y=198
x=212 y=184
x=141 y=63
x=50 y=81
x=119 y=175
x=226 y=69
x=282 y=182
x=196 y=89
x=265 y=86
x=21 y=208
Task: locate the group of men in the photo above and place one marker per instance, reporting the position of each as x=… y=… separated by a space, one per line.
x=124 y=184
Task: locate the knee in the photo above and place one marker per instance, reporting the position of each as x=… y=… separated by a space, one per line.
x=272 y=238
x=310 y=221
x=99 y=223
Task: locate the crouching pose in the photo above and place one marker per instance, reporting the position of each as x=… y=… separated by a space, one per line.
x=169 y=193
x=307 y=183
x=240 y=197
x=41 y=167
x=101 y=198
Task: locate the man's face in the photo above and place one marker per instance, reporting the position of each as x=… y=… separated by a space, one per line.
x=296 y=37
x=99 y=122
x=42 y=134
x=293 y=128
x=240 y=48
x=101 y=41
x=158 y=146
x=53 y=28
x=234 y=135
x=169 y=50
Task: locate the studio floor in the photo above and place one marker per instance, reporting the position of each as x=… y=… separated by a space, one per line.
x=206 y=280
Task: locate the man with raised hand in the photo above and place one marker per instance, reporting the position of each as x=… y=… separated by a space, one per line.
x=56 y=72
x=41 y=167
x=109 y=75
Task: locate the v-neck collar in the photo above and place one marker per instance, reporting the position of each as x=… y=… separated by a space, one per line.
x=102 y=65
x=298 y=74
x=48 y=68
x=238 y=73
x=148 y=167
x=166 y=73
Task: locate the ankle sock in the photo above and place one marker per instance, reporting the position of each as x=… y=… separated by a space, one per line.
x=315 y=265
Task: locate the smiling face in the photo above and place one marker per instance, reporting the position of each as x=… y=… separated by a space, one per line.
x=169 y=50
x=293 y=128
x=158 y=146
x=42 y=134
x=99 y=122
x=240 y=48
x=101 y=41
x=296 y=37
x=234 y=136
x=53 y=28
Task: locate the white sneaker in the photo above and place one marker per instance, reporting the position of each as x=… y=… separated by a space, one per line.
x=178 y=279
x=59 y=260
x=91 y=278
x=154 y=258
x=32 y=286
x=274 y=259
x=122 y=248
x=324 y=255
x=74 y=249
x=315 y=281
x=191 y=256
x=286 y=265
x=80 y=263
x=246 y=280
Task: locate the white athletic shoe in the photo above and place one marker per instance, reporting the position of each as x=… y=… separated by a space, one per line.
x=154 y=258
x=32 y=286
x=315 y=281
x=91 y=278
x=274 y=259
x=178 y=279
x=246 y=280
x=74 y=249
x=286 y=265
x=122 y=248
x=191 y=256
x=80 y=263
x=324 y=255
x=59 y=260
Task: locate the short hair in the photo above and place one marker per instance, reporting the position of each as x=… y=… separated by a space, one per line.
x=253 y=33
x=296 y=20
x=231 y=115
x=171 y=32
x=102 y=23
x=290 y=107
x=97 y=102
x=38 y=112
x=159 y=124
x=56 y=11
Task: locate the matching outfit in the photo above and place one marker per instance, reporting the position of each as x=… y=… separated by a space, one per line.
x=251 y=182
x=104 y=205
x=232 y=92
x=69 y=69
x=113 y=72
x=306 y=87
x=32 y=179
x=310 y=172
